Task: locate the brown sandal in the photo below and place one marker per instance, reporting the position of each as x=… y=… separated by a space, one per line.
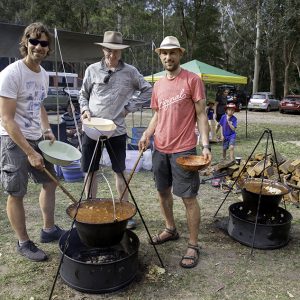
x=195 y=258
x=157 y=240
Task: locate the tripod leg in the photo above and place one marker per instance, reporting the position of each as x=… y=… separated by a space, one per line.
x=260 y=192
x=240 y=173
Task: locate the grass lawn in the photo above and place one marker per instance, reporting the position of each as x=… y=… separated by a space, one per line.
x=225 y=271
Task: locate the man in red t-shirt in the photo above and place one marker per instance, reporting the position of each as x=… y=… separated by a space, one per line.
x=178 y=100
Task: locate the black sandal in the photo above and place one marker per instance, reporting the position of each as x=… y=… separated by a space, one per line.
x=157 y=240
x=195 y=258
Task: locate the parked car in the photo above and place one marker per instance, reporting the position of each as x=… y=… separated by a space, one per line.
x=290 y=103
x=50 y=103
x=263 y=101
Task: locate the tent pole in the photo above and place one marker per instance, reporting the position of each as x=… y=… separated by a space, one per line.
x=56 y=83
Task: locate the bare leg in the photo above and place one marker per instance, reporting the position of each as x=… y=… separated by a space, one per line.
x=93 y=184
x=224 y=154
x=231 y=152
x=47 y=203
x=193 y=221
x=16 y=215
x=166 y=207
x=120 y=186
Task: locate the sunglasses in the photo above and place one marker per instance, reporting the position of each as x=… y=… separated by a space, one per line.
x=107 y=77
x=35 y=42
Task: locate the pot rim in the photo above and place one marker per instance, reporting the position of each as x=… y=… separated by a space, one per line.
x=268 y=182
x=104 y=200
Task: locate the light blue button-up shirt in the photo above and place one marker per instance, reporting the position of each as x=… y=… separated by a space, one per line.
x=114 y=99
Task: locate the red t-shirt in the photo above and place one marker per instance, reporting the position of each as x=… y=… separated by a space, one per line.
x=174 y=100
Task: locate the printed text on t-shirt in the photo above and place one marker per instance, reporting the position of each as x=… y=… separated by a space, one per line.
x=165 y=103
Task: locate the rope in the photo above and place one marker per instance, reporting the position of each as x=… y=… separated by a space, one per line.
x=67 y=86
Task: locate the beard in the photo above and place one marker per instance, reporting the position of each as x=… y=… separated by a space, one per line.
x=171 y=66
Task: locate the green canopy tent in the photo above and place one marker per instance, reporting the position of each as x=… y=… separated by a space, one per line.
x=208 y=73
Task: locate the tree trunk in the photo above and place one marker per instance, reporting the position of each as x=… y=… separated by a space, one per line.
x=288 y=49
x=257 y=49
x=271 y=60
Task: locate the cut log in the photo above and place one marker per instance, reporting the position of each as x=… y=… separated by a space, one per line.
x=292 y=185
x=269 y=171
x=297 y=172
x=224 y=164
x=295 y=196
x=279 y=157
x=294 y=165
x=258 y=168
x=284 y=168
x=295 y=178
x=259 y=156
x=251 y=163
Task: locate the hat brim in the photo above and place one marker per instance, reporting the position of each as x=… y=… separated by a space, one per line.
x=233 y=107
x=113 y=46
x=157 y=50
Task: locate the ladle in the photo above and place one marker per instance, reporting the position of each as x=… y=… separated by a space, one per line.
x=128 y=181
x=132 y=172
x=58 y=183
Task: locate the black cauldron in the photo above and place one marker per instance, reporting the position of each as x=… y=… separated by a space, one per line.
x=99 y=270
x=272 y=230
x=97 y=227
x=251 y=190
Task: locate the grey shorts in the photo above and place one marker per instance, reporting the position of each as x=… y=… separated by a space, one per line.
x=168 y=173
x=16 y=169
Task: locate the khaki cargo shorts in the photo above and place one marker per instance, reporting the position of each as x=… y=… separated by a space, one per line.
x=16 y=169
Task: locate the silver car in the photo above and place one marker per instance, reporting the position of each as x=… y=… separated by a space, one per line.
x=263 y=101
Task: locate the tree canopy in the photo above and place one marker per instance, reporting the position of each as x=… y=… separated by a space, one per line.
x=220 y=33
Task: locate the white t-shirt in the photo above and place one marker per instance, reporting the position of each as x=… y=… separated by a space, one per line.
x=29 y=89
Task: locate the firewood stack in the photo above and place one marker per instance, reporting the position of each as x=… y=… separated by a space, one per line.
x=257 y=166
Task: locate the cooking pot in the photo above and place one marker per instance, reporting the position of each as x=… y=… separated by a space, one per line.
x=96 y=223
x=271 y=194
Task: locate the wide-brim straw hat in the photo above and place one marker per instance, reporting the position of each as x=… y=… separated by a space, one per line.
x=113 y=40
x=169 y=42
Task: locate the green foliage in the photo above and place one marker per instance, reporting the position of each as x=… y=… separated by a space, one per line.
x=220 y=33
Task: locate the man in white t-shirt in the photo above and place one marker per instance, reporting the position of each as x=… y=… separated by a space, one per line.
x=24 y=123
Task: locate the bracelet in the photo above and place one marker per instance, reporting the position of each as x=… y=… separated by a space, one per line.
x=206 y=146
x=47 y=130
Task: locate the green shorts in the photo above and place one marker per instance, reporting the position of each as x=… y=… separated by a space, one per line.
x=168 y=173
x=16 y=169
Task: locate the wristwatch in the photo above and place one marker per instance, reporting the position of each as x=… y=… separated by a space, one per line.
x=206 y=147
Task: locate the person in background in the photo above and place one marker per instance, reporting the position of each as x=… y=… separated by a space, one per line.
x=68 y=118
x=211 y=121
x=228 y=123
x=221 y=102
x=107 y=92
x=24 y=123
x=179 y=102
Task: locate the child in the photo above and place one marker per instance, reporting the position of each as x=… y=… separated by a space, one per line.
x=228 y=123
x=211 y=121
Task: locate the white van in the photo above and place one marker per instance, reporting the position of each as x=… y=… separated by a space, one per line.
x=63 y=80
x=62 y=87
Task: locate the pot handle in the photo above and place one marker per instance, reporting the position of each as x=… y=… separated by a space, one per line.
x=58 y=183
x=132 y=172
